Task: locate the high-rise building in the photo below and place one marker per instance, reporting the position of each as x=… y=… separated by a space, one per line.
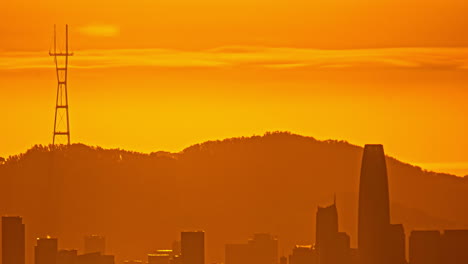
x=425 y=247
x=13 y=240
x=326 y=226
x=94 y=244
x=303 y=254
x=374 y=207
x=193 y=247
x=455 y=246
x=332 y=246
x=326 y=232
x=265 y=249
x=45 y=251
x=397 y=244
x=343 y=248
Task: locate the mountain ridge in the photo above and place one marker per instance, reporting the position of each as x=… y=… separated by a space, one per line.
x=270 y=183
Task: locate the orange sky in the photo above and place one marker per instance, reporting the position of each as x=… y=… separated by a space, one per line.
x=162 y=75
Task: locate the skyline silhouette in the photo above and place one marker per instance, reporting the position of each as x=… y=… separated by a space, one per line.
x=379 y=241
x=183 y=186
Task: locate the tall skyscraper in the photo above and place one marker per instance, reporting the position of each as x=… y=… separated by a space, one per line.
x=332 y=246
x=326 y=226
x=326 y=231
x=374 y=207
x=13 y=241
x=193 y=247
x=45 y=251
x=95 y=243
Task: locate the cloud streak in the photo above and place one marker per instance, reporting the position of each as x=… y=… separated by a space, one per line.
x=246 y=56
x=100 y=30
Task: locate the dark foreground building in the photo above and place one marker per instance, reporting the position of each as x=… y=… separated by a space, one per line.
x=303 y=254
x=379 y=242
x=332 y=246
x=261 y=249
x=45 y=251
x=13 y=237
x=455 y=247
x=193 y=247
x=425 y=247
x=67 y=256
x=94 y=244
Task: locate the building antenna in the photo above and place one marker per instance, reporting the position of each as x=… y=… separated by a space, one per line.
x=61 y=121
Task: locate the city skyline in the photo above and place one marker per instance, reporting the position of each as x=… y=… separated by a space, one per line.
x=379 y=241
x=161 y=193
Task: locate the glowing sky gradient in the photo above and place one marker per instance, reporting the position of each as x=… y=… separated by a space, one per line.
x=162 y=75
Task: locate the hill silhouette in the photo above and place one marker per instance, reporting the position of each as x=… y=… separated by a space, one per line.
x=230 y=189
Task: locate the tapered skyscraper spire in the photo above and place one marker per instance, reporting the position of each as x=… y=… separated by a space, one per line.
x=374 y=207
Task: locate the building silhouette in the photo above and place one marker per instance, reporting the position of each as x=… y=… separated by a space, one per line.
x=265 y=249
x=283 y=260
x=326 y=227
x=94 y=258
x=94 y=243
x=13 y=240
x=332 y=246
x=455 y=246
x=303 y=254
x=161 y=256
x=261 y=249
x=425 y=247
x=45 y=251
x=396 y=244
x=67 y=256
x=193 y=247
x=374 y=207
x=326 y=234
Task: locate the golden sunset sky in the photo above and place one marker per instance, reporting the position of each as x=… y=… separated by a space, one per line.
x=165 y=74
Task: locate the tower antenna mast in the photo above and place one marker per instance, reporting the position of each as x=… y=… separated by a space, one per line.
x=61 y=121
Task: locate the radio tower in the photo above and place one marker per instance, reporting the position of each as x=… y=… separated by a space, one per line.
x=61 y=121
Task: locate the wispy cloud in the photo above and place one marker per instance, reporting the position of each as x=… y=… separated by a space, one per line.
x=100 y=30
x=242 y=56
